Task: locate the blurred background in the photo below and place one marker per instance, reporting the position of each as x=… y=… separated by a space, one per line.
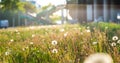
x=51 y=12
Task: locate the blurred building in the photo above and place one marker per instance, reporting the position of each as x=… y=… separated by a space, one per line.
x=94 y=10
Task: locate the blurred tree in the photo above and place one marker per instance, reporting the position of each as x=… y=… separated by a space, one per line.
x=12 y=7
x=29 y=7
x=47 y=6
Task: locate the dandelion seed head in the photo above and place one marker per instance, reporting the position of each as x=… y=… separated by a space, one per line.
x=16 y=30
x=33 y=35
x=54 y=51
x=54 y=42
x=118 y=41
x=65 y=34
x=113 y=44
x=31 y=43
x=99 y=58
x=94 y=43
x=7 y=53
x=23 y=49
x=88 y=30
x=114 y=38
x=11 y=40
x=27 y=47
x=62 y=30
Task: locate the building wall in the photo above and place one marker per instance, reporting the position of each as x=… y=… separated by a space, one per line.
x=95 y=10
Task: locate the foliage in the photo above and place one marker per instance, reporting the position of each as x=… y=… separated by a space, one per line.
x=12 y=10
x=12 y=5
x=45 y=7
x=29 y=7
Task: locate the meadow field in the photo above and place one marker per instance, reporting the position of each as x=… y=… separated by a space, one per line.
x=59 y=43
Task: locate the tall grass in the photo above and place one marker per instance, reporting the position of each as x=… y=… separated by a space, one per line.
x=74 y=43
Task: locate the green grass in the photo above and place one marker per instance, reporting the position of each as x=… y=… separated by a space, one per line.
x=74 y=43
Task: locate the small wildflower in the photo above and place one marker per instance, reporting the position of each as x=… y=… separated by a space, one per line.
x=99 y=58
x=62 y=30
x=118 y=41
x=94 y=43
x=115 y=38
x=16 y=30
x=88 y=30
x=7 y=53
x=23 y=49
x=113 y=44
x=54 y=42
x=33 y=35
x=11 y=40
x=26 y=47
x=54 y=51
x=31 y=43
x=65 y=34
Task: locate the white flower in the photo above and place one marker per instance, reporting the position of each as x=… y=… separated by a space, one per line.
x=114 y=38
x=11 y=40
x=118 y=41
x=54 y=42
x=113 y=44
x=31 y=43
x=16 y=30
x=88 y=30
x=54 y=51
x=62 y=30
x=94 y=43
x=26 y=47
x=23 y=49
x=33 y=35
x=65 y=34
x=7 y=53
x=99 y=58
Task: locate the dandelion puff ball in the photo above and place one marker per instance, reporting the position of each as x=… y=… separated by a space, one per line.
x=99 y=58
